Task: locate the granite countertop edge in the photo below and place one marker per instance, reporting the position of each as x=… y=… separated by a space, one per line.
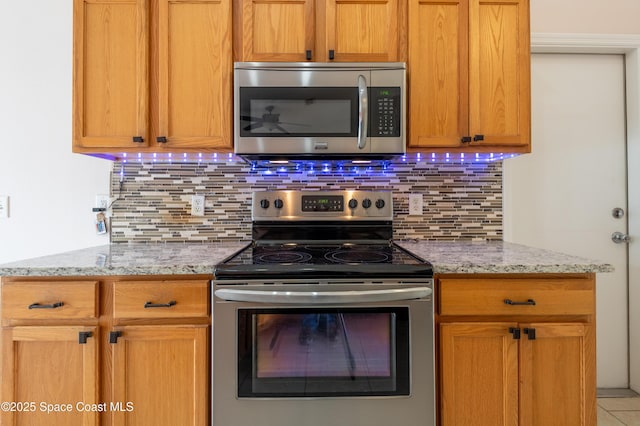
x=447 y=257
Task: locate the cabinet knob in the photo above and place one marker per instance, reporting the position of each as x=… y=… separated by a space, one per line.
x=332 y=54
x=161 y=139
x=465 y=139
x=478 y=138
x=138 y=139
x=308 y=55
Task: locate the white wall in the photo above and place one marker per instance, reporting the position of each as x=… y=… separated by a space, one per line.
x=51 y=190
x=585 y=16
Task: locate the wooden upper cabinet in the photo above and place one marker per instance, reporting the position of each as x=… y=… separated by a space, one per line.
x=320 y=30
x=277 y=30
x=469 y=74
x=110 y=73
x=362 y=30
x=152 y=75
x=194 y=74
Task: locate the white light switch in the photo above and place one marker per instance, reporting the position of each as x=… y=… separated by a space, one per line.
x=415 y=204
x=4 y=206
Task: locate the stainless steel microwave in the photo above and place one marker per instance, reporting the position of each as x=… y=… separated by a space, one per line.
x=319 y=110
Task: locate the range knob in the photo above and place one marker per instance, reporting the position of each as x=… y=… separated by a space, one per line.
x=366 y=203
x=264 y=203
x=353 y=203
x=278 y=203
x=380 y=203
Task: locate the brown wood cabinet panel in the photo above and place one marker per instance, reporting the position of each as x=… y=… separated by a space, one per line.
x=278 y=30
x=110 y=73
x=162 y=363
x=463 y=296
x=556 y=388
x=78 y=300
x=194 y=73
x=499 y=77
x=437 y=73
x=479 y=374
x=183 y=299
x=49 y=365
x=362 y=30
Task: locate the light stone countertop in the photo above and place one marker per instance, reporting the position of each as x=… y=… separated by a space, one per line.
x=128 y=259
x=200 y=258
x=499 y=257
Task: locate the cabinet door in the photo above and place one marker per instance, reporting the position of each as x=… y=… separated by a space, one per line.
x=558 y=385
x=438 y=72
x=47 y=366
x=478 y=374
x=361 y=31
x=110 y=73
x=278 y=30
x=499 y=75
x=161 y=375
x=194 y=74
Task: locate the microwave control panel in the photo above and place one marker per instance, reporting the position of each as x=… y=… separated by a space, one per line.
x=385 y=111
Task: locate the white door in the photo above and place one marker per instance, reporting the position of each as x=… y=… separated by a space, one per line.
x=561 y=196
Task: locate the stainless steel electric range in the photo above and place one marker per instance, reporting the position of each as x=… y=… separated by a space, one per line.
x=323 y=319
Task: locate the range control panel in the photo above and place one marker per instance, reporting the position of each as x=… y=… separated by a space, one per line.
x=322 y=205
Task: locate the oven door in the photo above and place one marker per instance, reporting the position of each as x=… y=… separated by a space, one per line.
x=294 y=363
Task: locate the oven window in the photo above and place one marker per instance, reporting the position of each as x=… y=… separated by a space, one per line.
x=323 y=352
x=303 y=111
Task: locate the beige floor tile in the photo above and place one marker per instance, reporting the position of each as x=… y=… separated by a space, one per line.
x=606 y=419
x=629 y=418
x=620 y=404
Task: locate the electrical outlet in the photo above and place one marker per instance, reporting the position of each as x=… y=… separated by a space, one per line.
x=415 y=204
x=197 y=205
x=102 y=201
x=4 y=206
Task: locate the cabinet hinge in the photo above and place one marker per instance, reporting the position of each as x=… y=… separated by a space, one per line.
x=83 y=336
x=531 y=333
x=113 y=336
x=515 y=332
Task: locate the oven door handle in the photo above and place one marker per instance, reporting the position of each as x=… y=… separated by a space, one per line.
x=322 y=297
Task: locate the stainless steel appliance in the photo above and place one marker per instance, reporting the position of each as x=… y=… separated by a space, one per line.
x=323 y=319
x=324 y=110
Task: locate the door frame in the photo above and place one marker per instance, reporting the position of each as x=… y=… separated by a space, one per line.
x=629 y=46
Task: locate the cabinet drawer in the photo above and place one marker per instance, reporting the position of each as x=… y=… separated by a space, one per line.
x=49 y=300
x=160 y=299
x=517 y=296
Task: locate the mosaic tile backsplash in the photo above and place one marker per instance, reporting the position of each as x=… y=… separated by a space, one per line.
x=462 y=201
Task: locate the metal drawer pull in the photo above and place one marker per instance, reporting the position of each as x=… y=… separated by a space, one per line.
x=159 y=305
x=50 y=306
x=512 y=303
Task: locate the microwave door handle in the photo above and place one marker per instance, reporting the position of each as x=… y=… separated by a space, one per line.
x=322 y=297
x=363 y=111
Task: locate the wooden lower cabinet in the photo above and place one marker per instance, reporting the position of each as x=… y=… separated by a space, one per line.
x=520 y=369
x=105 y=351
x=50 y=375
x=161 y=363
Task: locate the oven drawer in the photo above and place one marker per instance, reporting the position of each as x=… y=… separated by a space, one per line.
x=50 y=300
x=160 y=299
x=516 y=296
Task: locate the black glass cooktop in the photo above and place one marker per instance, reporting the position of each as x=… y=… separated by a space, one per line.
x=290 y=261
